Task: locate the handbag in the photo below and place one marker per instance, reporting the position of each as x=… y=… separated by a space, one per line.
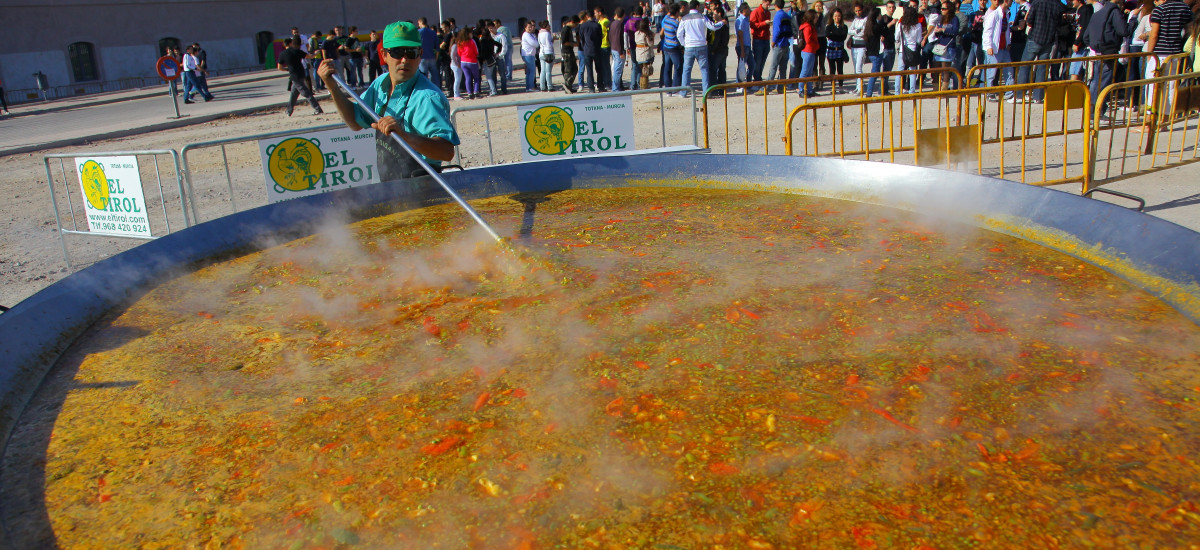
x=939 y=50
x=912 y=58
x=548 y=57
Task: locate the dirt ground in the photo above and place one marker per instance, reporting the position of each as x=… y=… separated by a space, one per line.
x=31 y=256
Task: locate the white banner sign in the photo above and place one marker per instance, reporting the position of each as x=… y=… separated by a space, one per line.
x=112 y=189
x=311 y=163
x=577 y=128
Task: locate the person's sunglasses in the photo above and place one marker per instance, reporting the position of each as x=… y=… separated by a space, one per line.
x=404 y=53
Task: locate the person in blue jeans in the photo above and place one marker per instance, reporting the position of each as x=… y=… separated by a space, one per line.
x=672 y=72
x=692 y=34
x=529 y=48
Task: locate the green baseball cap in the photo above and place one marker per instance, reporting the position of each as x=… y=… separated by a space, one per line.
x=401 y=34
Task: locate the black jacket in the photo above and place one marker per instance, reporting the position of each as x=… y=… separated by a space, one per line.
x=590 y=35
x=1106 y=30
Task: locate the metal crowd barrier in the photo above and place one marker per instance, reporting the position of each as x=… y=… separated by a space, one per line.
x=1038 y=65
x=953 y=127
x=1127 y=143
x=487 y=124
x=74 y=213
x=223 y=143
x=725 y=89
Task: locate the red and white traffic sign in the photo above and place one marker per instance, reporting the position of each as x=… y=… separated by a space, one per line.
x=168 y=68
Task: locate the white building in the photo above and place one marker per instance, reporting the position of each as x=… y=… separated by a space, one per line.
x=84 y=43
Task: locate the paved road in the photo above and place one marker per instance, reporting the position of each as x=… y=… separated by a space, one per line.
x=72 y=121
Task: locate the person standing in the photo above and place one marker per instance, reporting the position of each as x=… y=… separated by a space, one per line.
x=329 y=50
x=568 y=43
x=743 y=45
x=693 y=36
x=604 y=61
x=635 y=68
x=589 y=35
x=489 y=58
x=876 y=30
x=354 y=46
x=835 y=49
x=468 y=59
x=529 y=48
x=782 y=34
x=190 y=72
x=672 y=67
x=760 y=35
x=459 y=84
x=808 y=53
x=1105 y=35
x=660 y=12
x=315 y=56
x=546 y=46
x=505 y=39
x=943 y=35
x=201 y=71
x=718 y=47
x=1083 y=18
x=292 y=61
x=908 y=44
x=429 y=51
x=1168 y=22
x=3 y=101
x=616 y=44
x=371 y=52
x=502 y=50
x=643 y=45
x=858 y=42
x=995 y=39
x=1042 y=24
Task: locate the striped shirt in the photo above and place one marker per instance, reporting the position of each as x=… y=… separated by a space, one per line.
x=1172 y=17
x=670 y=25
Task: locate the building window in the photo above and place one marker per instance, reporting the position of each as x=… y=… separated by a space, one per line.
x=168 y=42
x=83 y=61
x=264 y=40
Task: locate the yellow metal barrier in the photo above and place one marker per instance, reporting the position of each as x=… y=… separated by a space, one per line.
x=947 y=73
x=973 y=74
x=1174 y=65
x=1126 y=143
x=953 y=127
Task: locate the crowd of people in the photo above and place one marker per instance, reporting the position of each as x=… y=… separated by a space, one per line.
x=917 y=34
x=776 y=39
x=779 y=39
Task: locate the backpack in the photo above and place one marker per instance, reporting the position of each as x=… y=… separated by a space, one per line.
x=785 y=28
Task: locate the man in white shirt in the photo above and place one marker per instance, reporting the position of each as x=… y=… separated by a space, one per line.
x=996 y=38
x=693 y=37
x=190 y=65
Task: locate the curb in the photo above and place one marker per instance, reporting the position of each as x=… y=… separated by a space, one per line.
x=137 y=93
x=168 y=125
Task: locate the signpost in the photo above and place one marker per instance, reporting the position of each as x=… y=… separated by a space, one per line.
x=168 y=68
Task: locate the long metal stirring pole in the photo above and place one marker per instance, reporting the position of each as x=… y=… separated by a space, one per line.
x=416 y=156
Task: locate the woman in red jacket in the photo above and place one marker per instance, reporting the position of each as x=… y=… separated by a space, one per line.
x=468 y=55
x=808 y=55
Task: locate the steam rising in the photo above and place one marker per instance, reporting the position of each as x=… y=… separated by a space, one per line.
x=403 y=382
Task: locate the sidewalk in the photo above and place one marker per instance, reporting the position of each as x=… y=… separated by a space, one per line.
x=89 y=100
x=79 y=120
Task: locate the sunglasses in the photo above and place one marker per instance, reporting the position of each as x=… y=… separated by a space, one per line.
x=404 y=53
